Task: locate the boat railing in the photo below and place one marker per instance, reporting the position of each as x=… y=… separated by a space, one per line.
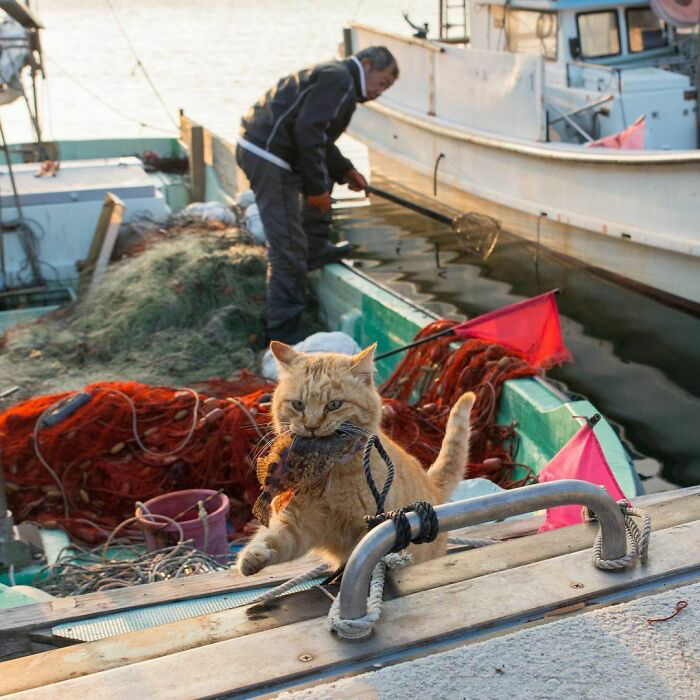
x=577 y=72
x=380 y=541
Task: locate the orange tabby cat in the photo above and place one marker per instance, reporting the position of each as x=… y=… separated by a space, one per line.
x=316 y=394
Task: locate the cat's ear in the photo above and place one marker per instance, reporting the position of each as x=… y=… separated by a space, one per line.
x=284 y=354
x=363 y=364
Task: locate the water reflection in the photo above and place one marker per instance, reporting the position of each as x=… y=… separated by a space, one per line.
x=636 y=358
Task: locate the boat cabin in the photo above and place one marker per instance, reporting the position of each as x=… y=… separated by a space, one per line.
x=606 y=63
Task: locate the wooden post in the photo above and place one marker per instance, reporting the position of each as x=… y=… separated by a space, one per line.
x=197 y=172
x=92 y=269
x=347 y=41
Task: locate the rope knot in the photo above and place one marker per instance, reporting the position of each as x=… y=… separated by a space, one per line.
x=429 y=527
x=362 y=626
x=637 y=541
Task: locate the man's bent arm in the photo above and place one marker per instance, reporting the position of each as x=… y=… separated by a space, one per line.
x=322 y=104
x=338 y=164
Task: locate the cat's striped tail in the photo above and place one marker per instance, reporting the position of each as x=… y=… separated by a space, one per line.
x=449 y=467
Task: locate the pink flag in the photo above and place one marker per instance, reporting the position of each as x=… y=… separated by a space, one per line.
x=631 y=137
x=531 y=326
x=581 y=458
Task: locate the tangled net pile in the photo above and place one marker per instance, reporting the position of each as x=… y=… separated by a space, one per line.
x=78 y=570
x=83 y=465
x=433 y=376
x=185 y=305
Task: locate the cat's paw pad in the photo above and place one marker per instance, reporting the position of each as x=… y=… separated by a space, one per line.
x=254 y=558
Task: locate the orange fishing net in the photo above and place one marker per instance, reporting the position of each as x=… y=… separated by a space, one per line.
x=432 y=377
x=81 y=460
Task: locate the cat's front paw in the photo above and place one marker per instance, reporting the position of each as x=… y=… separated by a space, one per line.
x=254 y=558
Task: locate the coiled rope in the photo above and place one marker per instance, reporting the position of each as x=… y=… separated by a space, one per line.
x=362 y=626
x=637 y=541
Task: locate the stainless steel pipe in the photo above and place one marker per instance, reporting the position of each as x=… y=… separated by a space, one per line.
x=379 y=541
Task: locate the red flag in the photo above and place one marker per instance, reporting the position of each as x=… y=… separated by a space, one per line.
x=531 y=326
x=581 y=458
x=632 y=137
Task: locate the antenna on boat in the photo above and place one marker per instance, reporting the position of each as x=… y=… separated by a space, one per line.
x=25 y=233
x=421 y=32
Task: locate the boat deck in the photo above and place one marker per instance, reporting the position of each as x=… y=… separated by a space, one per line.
x=513 y=593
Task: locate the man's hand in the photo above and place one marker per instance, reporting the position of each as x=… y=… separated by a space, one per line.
x=356 y=181
x=320 y=201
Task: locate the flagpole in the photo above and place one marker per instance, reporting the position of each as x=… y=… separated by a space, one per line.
x=448 y=331
x=593 y=420
x=416 y=343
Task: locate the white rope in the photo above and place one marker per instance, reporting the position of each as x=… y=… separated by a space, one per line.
x=362 y=626
x=284 y=587
x=637 y=542
x=472 y=542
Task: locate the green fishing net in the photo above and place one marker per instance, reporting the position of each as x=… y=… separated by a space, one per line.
x=190 y=306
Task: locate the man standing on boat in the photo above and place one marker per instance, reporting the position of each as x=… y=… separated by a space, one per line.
x=287 y=150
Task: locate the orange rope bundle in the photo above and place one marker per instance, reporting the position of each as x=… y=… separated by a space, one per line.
x=181 y=439
x=433 y=376
x=128 y=441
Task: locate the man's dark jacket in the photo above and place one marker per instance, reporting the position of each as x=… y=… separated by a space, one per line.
x=300 y=119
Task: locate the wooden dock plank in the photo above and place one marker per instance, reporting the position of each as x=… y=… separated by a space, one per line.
x=17 y=623
x=228 y=624
x=301 y=650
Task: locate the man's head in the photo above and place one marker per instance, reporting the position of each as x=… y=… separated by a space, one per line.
x=381 y=70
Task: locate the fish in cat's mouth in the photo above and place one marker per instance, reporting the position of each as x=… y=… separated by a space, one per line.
x=294 y=462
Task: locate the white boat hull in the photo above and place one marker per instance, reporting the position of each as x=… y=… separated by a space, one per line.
x=634 y=215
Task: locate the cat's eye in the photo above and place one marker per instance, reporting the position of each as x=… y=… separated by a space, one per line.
x=297 y=405
x=334 y=405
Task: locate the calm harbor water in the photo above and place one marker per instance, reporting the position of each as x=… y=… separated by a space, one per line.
x=636 y=359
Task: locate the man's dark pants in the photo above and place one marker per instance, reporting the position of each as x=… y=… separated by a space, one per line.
x=292 y=235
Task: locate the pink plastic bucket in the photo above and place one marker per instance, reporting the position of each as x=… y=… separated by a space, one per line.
x=182 y=507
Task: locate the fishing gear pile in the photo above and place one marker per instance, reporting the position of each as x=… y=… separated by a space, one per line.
x=184 y=304
x=432 y=376
x=81 y=459
x=79 y=570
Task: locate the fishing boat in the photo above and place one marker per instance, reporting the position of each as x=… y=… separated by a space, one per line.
x=198 y=637
x=572 y=123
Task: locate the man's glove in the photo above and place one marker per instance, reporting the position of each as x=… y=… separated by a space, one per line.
x=356 y=181
x=320 y=201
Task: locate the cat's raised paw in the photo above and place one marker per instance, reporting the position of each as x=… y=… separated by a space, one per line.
x=253 y=558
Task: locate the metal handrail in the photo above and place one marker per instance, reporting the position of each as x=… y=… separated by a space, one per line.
x=379 y=541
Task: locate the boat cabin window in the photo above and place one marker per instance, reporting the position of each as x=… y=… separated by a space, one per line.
x=528 y=31
x=599 y=34
x=645 y=30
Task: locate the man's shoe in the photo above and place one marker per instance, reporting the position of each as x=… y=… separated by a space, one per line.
x=330 y=253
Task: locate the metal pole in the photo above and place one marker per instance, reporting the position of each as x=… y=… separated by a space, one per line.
x=378 y=542
x=415 y=343
x=347 y=42
x=36 y=271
